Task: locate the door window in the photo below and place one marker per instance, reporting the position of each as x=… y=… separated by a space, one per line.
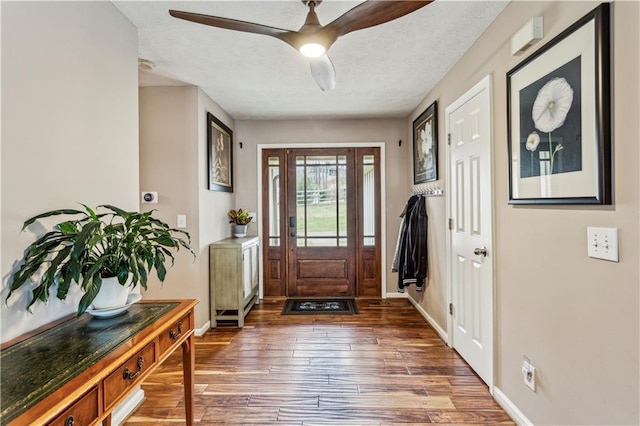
x=321 y=201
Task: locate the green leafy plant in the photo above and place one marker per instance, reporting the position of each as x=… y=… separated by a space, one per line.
x=112 y=243
x=239 y=217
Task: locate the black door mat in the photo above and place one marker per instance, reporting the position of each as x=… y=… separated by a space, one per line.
x=319 y=306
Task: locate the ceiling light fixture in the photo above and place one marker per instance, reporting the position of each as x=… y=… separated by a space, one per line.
x=312 y=46
x=312 y=50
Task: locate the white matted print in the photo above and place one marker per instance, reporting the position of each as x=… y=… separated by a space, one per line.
x=559 y=125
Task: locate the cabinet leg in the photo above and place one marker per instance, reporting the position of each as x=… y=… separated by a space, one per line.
x=188 y=366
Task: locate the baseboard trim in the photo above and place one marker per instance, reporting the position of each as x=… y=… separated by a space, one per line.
x=511 y=409
x=127 y=407
x=199 y=332
x=396 y=295
x=443 y=334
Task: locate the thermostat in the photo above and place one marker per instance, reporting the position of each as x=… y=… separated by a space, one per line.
x=150 y=197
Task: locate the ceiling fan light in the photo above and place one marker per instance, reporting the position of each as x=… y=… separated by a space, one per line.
x=312 y=50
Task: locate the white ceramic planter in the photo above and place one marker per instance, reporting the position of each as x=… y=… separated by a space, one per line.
x=112 y=294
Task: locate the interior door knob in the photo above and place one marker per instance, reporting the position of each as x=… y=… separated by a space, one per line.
x=480 y=251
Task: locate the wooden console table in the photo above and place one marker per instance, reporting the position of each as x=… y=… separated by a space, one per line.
x=77 y=370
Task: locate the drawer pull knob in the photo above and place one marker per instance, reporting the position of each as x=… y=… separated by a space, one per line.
x=129 y=375
x=173 y=335
x=69 y=422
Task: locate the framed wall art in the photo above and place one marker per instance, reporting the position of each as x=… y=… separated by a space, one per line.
x=220 y=154
x=425 y=145
x=559 y=124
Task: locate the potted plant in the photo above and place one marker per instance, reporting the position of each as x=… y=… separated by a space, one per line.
x=240 y=218
x=97 y=249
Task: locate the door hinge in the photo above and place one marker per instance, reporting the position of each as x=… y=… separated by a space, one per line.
x=450 y=224
x=450 y=308
x=448 y=138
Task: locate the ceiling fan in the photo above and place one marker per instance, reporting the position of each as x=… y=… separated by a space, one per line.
x=312 y=39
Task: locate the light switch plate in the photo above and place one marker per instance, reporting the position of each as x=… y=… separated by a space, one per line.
x=182 y=221
x=602 y=243
x=529 y=374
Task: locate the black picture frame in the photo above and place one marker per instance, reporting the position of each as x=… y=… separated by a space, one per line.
x=425 y=145
x=559 y=119
x=219 y=154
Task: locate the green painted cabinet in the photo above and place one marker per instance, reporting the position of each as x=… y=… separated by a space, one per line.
x=233 y=276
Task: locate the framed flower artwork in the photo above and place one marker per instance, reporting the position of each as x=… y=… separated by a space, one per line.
x=559 y=123
x=220 y=155
x=425 y=145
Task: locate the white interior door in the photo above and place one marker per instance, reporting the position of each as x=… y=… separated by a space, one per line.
x=471 y=204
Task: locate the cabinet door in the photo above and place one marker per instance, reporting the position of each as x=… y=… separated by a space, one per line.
x=250 y=269
x=246 y=271
x=255 y=273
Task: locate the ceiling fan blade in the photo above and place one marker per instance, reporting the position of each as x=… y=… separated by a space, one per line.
x=372 y=13
x=323 y=72
x=289 y=37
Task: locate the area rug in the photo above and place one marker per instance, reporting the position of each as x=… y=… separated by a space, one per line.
x=320 y=306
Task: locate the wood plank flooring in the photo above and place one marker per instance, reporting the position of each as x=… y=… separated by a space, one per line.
x=385 y=366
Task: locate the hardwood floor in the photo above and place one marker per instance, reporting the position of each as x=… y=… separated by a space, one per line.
x=384 y=366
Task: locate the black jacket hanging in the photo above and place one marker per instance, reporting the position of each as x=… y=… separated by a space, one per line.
x=410 y=259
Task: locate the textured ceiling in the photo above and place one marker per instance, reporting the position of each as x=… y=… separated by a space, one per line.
x=383 y=71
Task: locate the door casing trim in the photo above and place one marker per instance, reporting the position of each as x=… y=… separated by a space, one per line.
x=383 y=196
x=484 y=84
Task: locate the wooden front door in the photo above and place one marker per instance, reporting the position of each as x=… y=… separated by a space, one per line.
x=321 y=222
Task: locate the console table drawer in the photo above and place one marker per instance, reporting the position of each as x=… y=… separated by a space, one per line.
x=128 y=374
x=174 y=333
x=83 y=412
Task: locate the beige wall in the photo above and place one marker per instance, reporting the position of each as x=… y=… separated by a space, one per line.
x=576 y=318
x=388 y=131
x=69 y=126
x=173 y=161
x=213 y=205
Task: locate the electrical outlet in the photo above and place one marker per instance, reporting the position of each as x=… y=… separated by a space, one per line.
x=602 y=243
x=182 y=221
x=529 y=373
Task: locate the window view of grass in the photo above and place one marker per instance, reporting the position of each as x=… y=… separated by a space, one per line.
x=320 y=186
x=322 y=220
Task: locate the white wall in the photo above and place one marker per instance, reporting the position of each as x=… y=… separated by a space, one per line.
x=576 y=318
x=173 y=161
x=388 y=131
x=69 y=126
